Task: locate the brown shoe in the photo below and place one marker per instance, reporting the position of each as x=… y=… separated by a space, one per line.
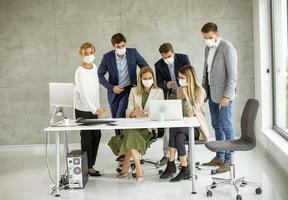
x=214 y=162
x=223 y=168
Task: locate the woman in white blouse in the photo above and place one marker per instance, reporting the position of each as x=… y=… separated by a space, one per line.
x=87 y=104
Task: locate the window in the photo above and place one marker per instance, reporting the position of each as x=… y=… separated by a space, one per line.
x=280 y=65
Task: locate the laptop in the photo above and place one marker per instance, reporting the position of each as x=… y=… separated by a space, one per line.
x=87 y=122
x=168 y=110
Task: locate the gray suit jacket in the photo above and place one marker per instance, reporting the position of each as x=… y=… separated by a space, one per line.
x=223 y=74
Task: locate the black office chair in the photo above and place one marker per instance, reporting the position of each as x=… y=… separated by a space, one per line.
x=157 y=134
x=246 y=142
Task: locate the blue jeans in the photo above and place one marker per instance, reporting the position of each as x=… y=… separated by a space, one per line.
x=222 y=124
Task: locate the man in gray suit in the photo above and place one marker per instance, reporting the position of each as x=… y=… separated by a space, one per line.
x=220 y=80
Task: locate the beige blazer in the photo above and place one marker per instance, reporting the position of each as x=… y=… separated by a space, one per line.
x=135 y=100
x=196 y=109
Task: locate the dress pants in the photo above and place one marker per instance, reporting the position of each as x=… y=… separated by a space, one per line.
x=90 y=139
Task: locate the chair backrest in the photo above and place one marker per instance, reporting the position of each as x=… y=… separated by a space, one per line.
x=159 y=133
x=248 y=121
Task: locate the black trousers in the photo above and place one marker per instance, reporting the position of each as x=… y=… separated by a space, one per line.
x=178 y=138
x=90 y=139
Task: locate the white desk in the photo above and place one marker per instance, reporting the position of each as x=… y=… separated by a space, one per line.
x=130 y=124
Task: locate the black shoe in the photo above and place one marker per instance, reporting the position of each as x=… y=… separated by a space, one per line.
x=169 y=171
x=96 y=173
x=120 y=158
x=184 y=174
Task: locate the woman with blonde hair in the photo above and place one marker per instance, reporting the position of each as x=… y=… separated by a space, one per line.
x=87 y=102
x=134 y=142
x=193 y=96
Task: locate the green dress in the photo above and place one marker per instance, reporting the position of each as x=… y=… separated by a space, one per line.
x=139 y=139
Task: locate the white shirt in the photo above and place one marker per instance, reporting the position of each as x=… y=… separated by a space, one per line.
x=86 y=92
x=211 y=54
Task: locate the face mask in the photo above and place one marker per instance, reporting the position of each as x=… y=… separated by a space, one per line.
x=183 y=82
x=210 y=42
x=169 y=61
x=147 y=83
x=89 y=59
x=121 y=52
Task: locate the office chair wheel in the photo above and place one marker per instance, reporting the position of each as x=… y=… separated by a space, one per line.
x=213 y=185
x=238 y=197
x=209 y=193
x=118 y=169
x=213 y=172
x=243 y=184
x=160 y=171
x=258 y=190
x=132 y=165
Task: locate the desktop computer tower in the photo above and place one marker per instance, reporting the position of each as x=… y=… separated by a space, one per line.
x=77 y=169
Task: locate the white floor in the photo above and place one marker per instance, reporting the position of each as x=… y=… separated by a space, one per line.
x=26 y=178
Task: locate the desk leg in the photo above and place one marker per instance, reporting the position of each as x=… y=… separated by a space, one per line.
x=192 y=158
x=65 y=141
x=66 y=148
x=57 y=166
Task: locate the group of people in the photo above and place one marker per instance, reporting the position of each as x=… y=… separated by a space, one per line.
x=129 y=96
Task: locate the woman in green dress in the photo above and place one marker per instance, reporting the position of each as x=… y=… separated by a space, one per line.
x=134 y=142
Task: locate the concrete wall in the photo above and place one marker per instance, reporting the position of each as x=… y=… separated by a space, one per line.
x=39 y=42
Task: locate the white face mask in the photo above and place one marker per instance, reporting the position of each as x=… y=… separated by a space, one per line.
x=183 y=82
x=121 y=52
x=147 y=83
x=169 y=61
x=89 y=59
x=210 y=42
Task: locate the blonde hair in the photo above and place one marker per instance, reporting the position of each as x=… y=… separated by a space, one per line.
x=192 y=81
x=140 y=86
x=86 y=45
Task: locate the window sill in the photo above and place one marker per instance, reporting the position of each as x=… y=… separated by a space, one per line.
x=276 y=139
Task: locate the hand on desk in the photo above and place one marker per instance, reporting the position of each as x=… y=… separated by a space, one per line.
x=101 y=112
x=138 y=112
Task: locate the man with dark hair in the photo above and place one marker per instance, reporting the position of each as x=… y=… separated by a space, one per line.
x=166 y=69
x=220 y=80
x=209 y=27
x=121 y=65
x=166 y=75
x=117 y=38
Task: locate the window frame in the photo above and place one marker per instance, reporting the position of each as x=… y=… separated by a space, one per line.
x=276 y=128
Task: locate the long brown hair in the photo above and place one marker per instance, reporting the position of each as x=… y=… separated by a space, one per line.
x=140 y=86
x=192 y=81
